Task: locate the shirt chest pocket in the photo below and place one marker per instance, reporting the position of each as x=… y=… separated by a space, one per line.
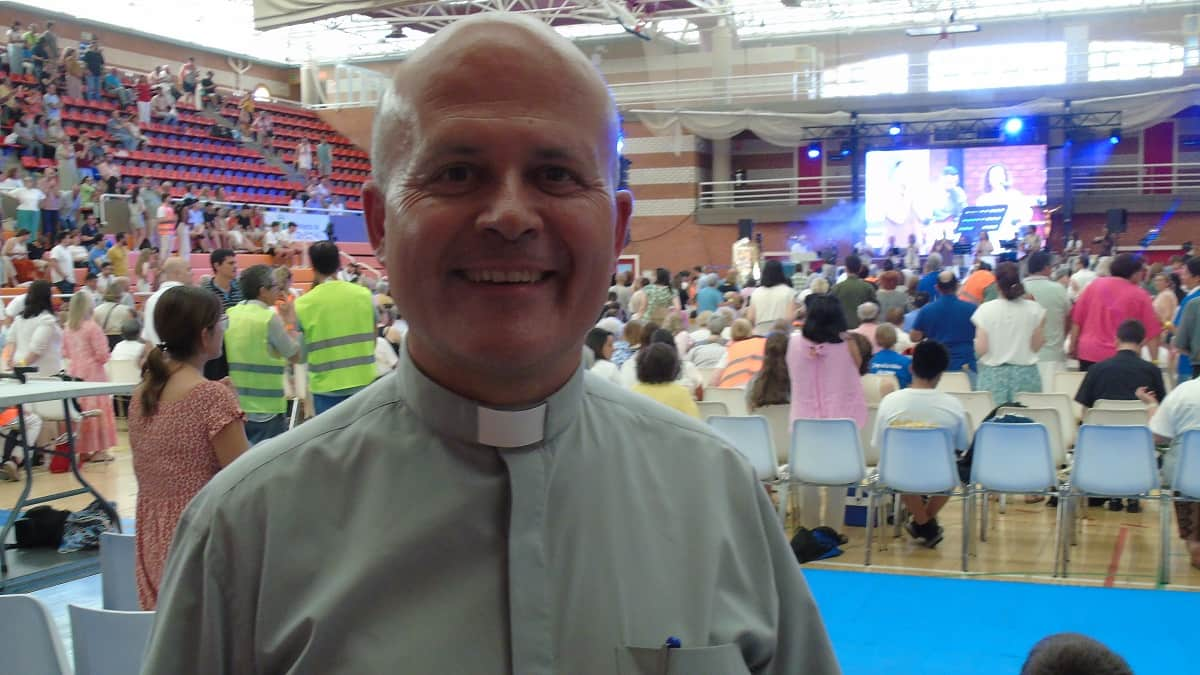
x=719 y=660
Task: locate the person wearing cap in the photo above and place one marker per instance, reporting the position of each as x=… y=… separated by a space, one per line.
x=489 y=506
x=948 y=320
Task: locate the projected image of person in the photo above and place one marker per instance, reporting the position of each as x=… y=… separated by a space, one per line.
x=998 y=190
x=901 y=216
x=950 y=198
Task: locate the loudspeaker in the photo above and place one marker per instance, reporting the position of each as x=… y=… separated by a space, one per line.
x=1116 y=220
x=746 y=228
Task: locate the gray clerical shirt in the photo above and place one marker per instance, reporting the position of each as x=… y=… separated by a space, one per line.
x=417 y=532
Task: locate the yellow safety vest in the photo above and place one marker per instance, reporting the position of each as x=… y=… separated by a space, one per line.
x=338 y=320
x=256 y=373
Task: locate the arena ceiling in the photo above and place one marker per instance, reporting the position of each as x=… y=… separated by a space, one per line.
x=301 y=31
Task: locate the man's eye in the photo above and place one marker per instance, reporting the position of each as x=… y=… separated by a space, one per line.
x=455 y=174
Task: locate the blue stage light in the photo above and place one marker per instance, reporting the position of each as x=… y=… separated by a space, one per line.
x=1114 y=136
x=895 y=129
x=1013 y=126
x=814 y=151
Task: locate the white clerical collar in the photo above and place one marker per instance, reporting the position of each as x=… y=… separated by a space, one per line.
x=454 y=417
x=511 y=428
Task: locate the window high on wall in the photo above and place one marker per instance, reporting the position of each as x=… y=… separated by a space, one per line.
x=1027 y=64
x=885 y=75
x=1129 y=60
x=261 y=93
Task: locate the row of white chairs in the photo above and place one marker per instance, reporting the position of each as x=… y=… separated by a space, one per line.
x=1009 y=458
x=107 y=641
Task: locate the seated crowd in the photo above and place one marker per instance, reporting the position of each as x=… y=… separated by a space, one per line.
x=823 y=345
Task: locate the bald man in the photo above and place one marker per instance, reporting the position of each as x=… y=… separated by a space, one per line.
x=174 y=272
x=488 y=507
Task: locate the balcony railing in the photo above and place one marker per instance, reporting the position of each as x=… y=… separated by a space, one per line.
x=774 y=192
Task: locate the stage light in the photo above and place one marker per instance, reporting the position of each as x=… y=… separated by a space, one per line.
x=1013 y=126
x=894 y=130
x=1114 y=136
x=814 y=151
x=620 y=144
x=845 y=149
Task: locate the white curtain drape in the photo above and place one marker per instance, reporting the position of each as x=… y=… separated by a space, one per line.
x=270 y=14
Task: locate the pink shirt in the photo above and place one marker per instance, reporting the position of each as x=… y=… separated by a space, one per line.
x=825 y=382
x=1105 y=303
x=867 y=330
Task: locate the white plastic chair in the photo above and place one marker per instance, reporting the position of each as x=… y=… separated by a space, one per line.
x=29 y=641
x=707 y=374
x=751 y=436
x=954 y=380
x=1060 y=402
x=1068 y=382
x=109 y=642
x=734 y=399
x=1112 y=462
x=978 y=404
x=712 y=409
x=117 y=576
x=1112 y=404
x=1050 y=419
x=913 y=461
x=779 y=419
x=1116 y=418
x=824 y=454
x=1010 y=458
x=870 y=452
x=125 y=371
x=1185 y=487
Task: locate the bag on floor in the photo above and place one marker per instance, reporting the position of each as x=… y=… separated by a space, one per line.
x=818 y=544
x=83 y=528
x=40 y=527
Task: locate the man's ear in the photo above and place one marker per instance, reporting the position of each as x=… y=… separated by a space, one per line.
x=621 y=235
x=375 y=213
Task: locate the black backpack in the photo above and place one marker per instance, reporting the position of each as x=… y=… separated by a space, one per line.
x=964 y=460
x=40 y=527
x=818 y=544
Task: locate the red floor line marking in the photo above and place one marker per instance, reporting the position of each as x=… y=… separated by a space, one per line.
x=1115 y=563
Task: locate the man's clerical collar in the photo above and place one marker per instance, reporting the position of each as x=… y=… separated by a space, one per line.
x=467 y=421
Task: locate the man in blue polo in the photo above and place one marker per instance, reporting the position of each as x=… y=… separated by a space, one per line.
x=1189 y=276
x=948 y=320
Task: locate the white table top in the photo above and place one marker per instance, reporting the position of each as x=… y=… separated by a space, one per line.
x=12 y=393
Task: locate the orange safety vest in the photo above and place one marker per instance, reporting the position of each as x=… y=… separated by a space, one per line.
x=973 y=288
x=166 y=226
x=744 y=360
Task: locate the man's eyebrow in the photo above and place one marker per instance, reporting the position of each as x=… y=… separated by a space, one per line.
x=554 y=153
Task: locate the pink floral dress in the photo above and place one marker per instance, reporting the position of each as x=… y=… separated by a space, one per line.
x=173 y=458
x=87 y=349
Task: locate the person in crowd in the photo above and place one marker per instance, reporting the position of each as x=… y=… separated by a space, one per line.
x=175 y=272
x=1052 y=296
x=62 y=263
x=895 y=317
x=131 y=347
x=823 y=367
x=1009 y=332
x=224 y=280
x=35 y=338
x=118 y=255
x=657 y=375
x=1082 y=276
x=631 y=340
x=483 y=411
x=868 y=323
x=980 y=285
x=304 y=157
x=105 y=277
x=86 y=351
x=1178 y=414
x=112 y=313
x=337 y=319
x=1105 y=304
x=1073 y=654
x=772 y=300
x=853 y=291
x=258 y=347
x=887 y=361
x=19 y=268
x=183 y=428
x=1125 y=376
x=167 y=219
x=689 y=375
x=29 y=205
x=324 y=157
x=600 y=342
x=147 y=269
x=660 y=299
x=707 y=353
x=919 y=300
x=948 y=320
x=708 y=298
x=743 y=356
x=890 y=295
x=933 y=268
x=922 y=405
x=1165 y=302
x=771 y=385
x=1187 y=325
x=622 y=286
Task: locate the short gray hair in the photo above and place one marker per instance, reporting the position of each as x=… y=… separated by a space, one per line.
x=868 y=311
x=934 y=262
x=254 y=279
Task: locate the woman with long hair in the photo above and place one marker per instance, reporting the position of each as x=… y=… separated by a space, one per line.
x=771 y=385
x=661 y=298
x=1008 y=335
x=183 y=428
x=774 y=299
x=36 y=336
x=657 y=372
x=600 y=342
x=87 y=351
x=823 y=364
